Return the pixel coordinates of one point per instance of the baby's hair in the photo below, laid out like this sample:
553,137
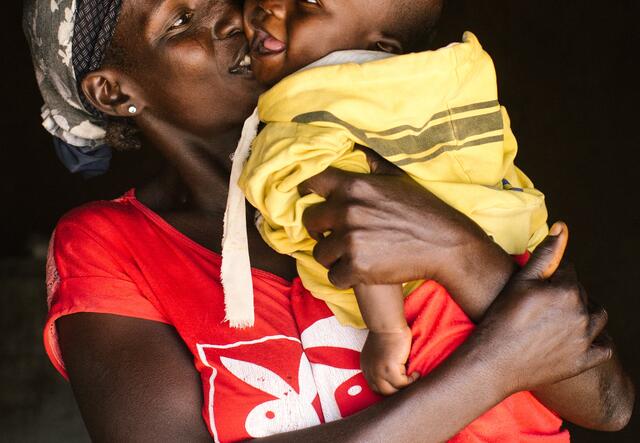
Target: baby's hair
415,23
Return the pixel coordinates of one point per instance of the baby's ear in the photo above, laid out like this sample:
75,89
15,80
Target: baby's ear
389,45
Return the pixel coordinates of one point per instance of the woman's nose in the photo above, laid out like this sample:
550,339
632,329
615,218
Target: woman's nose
276,8
229,21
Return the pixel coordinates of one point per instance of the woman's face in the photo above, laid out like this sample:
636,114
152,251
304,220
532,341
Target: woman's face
186,56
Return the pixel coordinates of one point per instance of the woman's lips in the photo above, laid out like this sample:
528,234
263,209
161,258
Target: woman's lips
242,63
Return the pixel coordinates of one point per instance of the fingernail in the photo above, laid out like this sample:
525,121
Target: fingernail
555,230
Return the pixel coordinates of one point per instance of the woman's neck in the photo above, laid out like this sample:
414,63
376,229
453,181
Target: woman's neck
199,178
192,196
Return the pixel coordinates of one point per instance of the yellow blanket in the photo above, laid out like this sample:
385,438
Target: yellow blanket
434,114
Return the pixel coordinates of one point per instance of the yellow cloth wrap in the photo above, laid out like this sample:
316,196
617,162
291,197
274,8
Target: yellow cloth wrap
434,114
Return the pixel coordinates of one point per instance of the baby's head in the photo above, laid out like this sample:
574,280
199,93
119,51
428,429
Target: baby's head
286,35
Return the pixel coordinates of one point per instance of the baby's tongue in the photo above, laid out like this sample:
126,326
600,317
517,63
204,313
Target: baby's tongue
273,44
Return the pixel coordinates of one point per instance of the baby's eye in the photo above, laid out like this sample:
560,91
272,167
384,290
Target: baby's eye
312,2
182,20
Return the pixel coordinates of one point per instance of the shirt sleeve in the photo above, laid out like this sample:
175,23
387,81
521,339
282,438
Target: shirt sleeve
83,275
522,259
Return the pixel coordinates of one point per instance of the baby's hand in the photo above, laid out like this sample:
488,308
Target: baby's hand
383,360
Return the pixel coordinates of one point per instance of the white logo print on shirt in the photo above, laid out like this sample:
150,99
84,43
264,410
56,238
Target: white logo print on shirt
330,381
290,411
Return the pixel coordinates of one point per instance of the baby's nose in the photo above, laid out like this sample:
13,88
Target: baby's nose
276,8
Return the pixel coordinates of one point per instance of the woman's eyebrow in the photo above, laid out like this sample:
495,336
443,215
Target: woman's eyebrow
158,7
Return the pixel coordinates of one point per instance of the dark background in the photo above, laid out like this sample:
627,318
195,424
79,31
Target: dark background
567,75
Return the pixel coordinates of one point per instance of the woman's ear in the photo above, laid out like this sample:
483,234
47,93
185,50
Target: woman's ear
110,92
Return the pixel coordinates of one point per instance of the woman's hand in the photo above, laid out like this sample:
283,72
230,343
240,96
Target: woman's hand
541,324
537,332
385,228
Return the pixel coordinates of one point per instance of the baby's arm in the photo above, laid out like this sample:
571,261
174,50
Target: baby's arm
386,350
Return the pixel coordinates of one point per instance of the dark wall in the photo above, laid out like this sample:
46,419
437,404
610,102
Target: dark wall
566,74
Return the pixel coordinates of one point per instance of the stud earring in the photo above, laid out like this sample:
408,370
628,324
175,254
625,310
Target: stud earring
132,109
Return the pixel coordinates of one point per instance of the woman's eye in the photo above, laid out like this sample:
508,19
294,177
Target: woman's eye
182,20
312,2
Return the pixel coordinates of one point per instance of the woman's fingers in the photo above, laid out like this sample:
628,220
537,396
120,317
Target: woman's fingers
379,165
341,274
597,355
566,272
561,232
329,250
548,255
320,218
597,322
323,184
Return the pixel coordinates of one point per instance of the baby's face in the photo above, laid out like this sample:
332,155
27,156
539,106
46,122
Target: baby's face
286,35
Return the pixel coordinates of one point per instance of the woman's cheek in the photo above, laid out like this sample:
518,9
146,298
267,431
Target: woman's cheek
191,58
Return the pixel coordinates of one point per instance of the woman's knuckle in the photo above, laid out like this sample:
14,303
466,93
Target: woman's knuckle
355,258
335,278
574,289
603,314
361,266
360,240
569,293
362,186
350,241
354,241
583,322
318,255
308,215
351,187
351,215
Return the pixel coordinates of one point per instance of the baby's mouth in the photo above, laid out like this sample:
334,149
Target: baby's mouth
264,44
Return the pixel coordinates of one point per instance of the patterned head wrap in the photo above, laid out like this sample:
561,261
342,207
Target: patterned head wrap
68,40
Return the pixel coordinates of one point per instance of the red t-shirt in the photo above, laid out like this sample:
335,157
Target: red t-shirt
297,367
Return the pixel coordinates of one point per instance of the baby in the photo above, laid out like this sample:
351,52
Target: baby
286,36
338,83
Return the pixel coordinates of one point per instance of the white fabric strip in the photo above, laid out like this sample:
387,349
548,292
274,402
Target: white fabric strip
236,266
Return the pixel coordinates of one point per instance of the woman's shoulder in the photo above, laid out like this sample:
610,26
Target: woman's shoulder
101,216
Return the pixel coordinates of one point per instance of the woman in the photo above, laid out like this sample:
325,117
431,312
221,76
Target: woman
133,281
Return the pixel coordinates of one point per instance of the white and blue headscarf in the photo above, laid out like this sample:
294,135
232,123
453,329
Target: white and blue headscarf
68,40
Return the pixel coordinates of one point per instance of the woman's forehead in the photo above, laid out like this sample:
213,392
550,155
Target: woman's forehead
149,17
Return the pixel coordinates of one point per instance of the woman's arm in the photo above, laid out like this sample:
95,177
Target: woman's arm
499,358
135,381
366,213
433,409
